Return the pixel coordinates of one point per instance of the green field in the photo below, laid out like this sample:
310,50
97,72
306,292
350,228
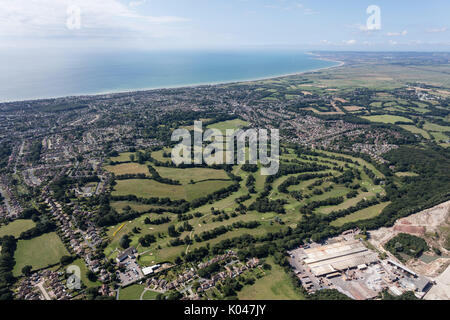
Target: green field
386,119
406,174
149,295
16,227
275,285
364,214
123,157
229,124
149,188
416,130
132,292
195,174
128,168
38,252
138,207
435,127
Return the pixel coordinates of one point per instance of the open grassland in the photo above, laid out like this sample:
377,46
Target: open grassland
195,174
435,127
128,168
416,130
406,174
149,188
386,119
275,285
440,137
136,206
229,124
363,214
150,295
132,292
159,155
123,157
16,227
38,252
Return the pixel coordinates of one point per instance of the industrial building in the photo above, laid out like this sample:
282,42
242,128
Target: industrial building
330,260
350,267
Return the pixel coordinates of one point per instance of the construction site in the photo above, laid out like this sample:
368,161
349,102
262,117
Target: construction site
346,264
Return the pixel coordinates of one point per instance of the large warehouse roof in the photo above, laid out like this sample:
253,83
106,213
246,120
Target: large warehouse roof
338,256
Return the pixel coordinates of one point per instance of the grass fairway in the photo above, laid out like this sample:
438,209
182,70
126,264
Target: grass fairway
435,127
150,188
132,292
387,119
38,252
128,168
276,285
364,214
136,206
406,174
15,228
416,130
195,174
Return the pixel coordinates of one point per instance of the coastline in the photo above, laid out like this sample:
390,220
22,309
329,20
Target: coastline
190,86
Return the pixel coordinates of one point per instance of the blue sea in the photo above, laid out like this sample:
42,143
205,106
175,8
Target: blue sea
33,75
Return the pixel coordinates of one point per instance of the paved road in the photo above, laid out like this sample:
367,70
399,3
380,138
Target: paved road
40,285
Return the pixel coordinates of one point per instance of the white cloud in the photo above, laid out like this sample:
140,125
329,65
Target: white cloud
99,18
134,4
437,30
393,43
350,42
289,6
397,34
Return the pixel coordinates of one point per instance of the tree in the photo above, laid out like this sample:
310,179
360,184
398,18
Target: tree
125,242
267,266
27,270
172,232
91,276
65,260
132,157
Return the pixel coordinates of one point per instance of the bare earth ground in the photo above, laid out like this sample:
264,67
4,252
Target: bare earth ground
441,290
424,224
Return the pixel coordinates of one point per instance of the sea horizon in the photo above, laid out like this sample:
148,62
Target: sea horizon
87,74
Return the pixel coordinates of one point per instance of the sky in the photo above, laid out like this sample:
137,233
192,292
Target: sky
226,24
